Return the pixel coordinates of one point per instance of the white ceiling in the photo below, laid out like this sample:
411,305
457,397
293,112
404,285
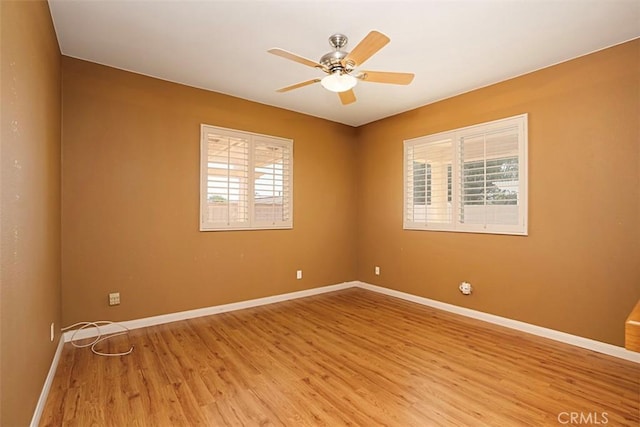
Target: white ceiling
451,46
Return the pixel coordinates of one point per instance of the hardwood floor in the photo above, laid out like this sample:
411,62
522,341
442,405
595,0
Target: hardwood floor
351,357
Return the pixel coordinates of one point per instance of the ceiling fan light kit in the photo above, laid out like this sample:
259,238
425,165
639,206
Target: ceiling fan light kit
338,82
338,65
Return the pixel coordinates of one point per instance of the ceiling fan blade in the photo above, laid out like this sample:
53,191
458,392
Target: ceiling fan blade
293,57
386,77
373,42
298,85
347,97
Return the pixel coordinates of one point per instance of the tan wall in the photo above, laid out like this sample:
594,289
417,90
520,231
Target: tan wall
578,271
30,205
130,204
131,200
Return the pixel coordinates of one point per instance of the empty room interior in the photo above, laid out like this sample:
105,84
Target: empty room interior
320,213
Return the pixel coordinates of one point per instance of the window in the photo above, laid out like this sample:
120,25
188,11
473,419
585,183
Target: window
246,180
472,179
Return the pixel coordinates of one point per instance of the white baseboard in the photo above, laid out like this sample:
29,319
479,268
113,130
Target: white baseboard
207,311
574,340
564,337
42,400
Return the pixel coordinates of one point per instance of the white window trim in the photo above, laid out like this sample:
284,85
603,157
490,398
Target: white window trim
521,121
252,224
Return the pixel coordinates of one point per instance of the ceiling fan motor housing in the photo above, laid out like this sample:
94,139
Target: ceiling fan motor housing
332,61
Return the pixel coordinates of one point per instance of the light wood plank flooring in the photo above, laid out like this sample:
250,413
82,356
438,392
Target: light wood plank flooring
350,357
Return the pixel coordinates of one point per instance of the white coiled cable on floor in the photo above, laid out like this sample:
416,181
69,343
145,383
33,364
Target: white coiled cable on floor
100,337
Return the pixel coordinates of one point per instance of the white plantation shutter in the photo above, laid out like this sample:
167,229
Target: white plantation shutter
472,179
489,188
428,164
272,183
246,180
227,180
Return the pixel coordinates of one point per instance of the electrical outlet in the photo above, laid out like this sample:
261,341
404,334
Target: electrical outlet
299,274
53,331
377,270
114,298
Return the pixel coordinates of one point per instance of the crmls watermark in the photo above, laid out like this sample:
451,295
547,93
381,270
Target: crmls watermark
588,418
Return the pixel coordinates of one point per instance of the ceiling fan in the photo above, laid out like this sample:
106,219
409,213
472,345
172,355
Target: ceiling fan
340,66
